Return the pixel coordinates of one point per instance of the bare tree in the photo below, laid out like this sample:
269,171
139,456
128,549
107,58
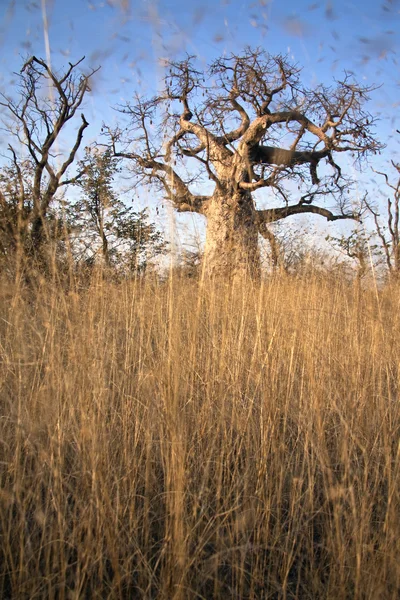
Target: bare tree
47,101
388,226
248,124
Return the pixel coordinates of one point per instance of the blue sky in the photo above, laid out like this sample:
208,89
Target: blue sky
129,37
324,36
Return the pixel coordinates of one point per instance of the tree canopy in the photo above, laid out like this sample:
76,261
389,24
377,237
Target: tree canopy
245,124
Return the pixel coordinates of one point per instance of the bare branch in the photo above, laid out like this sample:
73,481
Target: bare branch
391,223
275,214
37,122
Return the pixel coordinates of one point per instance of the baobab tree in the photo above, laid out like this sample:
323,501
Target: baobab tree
247,123
47,101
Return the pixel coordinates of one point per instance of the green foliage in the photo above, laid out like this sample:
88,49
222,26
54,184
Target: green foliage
355,245
138,241
360,246
15,205
104,226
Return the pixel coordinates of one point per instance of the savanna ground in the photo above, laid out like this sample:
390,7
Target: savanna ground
179,440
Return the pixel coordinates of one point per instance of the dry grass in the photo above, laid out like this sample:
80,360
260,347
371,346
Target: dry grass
177,441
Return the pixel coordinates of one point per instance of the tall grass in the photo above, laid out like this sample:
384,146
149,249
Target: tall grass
180,440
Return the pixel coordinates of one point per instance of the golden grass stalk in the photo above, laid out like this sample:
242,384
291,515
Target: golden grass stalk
180,440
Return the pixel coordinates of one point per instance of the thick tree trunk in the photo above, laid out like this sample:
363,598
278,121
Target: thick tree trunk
232,236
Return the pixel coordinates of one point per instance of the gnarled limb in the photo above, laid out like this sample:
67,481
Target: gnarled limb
270,215
257,129
177,190
279,156
268,235
217,151
234,135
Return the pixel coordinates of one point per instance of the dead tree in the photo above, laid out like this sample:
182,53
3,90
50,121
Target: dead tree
244,125
388,226
47,102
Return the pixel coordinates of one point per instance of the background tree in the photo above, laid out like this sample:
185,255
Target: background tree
15,206
98,197
46,103
359,246
138,241
288,247
387,226
247,123
103,222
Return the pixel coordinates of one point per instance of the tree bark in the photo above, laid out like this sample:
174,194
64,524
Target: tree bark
104,248
37,235
231,248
